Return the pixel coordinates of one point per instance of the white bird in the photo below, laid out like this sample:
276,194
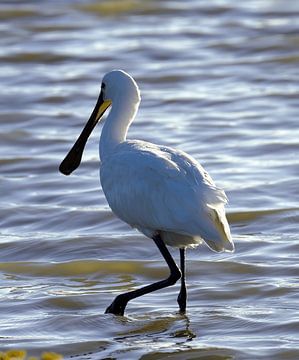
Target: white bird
163,192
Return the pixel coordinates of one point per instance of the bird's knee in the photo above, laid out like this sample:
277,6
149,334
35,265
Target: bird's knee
174,276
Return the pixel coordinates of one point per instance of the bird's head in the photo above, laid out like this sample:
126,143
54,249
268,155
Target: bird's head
115,84
118,83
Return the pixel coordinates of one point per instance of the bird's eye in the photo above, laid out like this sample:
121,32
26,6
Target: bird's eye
103,86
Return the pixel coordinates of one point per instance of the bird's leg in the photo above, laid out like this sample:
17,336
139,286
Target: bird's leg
120,302
182,298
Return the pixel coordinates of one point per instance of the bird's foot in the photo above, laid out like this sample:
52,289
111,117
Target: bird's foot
117,307
182,301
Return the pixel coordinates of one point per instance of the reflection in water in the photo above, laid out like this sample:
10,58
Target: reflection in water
151,332
155,326
186,333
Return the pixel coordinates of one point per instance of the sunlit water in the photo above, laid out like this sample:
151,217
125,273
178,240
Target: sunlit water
219,79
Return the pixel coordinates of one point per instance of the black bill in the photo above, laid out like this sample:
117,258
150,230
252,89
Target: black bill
73,158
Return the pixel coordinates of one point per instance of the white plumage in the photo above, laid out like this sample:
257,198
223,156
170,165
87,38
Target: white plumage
163,192
157,188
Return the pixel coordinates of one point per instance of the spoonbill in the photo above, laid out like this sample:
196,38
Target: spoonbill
162,192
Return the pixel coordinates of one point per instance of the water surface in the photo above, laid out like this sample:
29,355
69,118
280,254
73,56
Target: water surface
219,80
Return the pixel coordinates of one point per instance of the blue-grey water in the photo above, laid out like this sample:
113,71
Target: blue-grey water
219,79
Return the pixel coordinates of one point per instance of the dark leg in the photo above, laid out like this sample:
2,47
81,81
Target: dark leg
120,302
182,298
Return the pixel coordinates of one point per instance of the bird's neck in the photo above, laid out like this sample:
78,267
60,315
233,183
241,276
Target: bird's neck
116,125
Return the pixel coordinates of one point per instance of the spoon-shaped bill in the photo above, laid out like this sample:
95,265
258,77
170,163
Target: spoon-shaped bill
73,158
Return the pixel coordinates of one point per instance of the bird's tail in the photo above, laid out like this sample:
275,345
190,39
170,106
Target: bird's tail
221,239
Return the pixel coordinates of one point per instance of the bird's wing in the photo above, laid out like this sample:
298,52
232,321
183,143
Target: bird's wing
210,219
159,188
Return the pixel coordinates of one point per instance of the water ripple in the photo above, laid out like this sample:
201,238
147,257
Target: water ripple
218,80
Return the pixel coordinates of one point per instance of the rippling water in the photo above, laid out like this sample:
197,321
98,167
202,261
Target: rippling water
219,79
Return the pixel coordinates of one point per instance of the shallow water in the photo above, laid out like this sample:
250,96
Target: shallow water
219,80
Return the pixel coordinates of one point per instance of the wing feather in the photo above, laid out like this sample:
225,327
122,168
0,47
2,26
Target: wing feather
158,188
